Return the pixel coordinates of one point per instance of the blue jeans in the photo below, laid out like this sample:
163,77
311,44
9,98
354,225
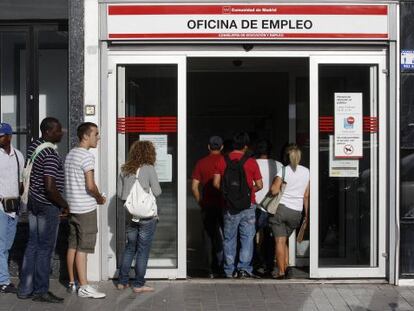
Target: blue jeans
43,228
139,239
7,232
242,224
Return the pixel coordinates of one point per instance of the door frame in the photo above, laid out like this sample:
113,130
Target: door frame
372,58
113,88
126,54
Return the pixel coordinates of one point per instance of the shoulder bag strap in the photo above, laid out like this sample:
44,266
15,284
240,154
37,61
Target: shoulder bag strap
18,171
283,173
40,148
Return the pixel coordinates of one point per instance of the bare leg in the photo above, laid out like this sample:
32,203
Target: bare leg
280,254
70,258
286,256
80,261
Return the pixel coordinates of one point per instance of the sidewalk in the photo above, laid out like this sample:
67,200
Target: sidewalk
233,295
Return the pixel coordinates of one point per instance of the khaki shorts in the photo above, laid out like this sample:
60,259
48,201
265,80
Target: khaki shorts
82,231
284,221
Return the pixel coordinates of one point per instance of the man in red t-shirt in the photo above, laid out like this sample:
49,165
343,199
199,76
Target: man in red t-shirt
239,222
211,203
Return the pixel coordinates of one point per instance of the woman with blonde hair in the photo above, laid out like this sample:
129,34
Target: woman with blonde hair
139,232
295,200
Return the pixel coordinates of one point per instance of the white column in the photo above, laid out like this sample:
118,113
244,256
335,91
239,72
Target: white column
91,97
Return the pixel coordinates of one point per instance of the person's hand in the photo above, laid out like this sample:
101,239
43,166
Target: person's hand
101,200
65,212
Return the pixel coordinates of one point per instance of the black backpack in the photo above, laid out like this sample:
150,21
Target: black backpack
234,185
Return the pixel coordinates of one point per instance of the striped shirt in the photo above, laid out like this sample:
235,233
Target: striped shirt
78,162
47,163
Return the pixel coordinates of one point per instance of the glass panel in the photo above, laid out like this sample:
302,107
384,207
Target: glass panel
347,205
13,84
53,80
151,91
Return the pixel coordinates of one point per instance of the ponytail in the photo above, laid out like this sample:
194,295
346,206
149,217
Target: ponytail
294,154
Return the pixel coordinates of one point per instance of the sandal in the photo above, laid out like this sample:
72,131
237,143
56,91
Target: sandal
120,286
143,289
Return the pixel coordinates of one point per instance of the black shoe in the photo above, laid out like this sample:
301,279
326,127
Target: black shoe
244,275
288,272
56,297
47,297
8,288
24,296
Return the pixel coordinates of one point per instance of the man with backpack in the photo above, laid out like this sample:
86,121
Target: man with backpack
238,177
45,206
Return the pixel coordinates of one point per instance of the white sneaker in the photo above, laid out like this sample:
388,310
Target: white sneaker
88,291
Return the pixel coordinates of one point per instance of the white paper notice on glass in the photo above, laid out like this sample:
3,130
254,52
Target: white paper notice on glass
160,142
163,167
341,167
348,125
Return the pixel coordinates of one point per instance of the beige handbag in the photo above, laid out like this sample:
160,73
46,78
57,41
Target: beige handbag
271,202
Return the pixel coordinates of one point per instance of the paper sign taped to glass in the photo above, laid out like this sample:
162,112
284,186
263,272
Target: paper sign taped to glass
341,167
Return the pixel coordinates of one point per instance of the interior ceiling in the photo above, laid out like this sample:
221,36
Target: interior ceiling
252,64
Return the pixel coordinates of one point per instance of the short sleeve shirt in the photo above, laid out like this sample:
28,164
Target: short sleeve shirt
47,163
78,162
204,173
296,183
9,182
250,168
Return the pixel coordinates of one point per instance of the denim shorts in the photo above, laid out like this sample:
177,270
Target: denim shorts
82,231
284,221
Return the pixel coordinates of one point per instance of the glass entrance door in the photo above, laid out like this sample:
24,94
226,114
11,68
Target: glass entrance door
151,106
348,166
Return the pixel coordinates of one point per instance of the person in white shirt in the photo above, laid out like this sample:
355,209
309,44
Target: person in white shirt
295,199
11,168
262,261
82,195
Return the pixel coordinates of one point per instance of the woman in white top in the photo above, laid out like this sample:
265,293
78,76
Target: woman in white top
294,200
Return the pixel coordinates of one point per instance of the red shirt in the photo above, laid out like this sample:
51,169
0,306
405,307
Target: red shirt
204,173
251,168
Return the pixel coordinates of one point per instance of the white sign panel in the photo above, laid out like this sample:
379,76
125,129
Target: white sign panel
163,167
348,125
246,21
160,142
341,167
407,60
163,164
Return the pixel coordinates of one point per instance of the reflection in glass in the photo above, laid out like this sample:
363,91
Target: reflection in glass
151,91
13,84
347,206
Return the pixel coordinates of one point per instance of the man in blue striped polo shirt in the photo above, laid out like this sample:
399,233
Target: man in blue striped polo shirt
45,205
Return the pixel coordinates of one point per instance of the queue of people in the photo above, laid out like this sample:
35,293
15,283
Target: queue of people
56,188
229,188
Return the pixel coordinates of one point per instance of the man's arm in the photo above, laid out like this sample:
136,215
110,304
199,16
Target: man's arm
195,188
258,185
217,181
52,194
92,188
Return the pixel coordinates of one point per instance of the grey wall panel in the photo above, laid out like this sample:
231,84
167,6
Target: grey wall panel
33,9
76,68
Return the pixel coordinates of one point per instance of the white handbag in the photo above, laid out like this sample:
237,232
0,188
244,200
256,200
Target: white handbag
139,203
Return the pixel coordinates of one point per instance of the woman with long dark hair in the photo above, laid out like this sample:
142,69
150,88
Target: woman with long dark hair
139,232
295,200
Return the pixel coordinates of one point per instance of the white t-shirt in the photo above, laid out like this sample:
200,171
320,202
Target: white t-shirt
296,183
9,186
78,162
268,170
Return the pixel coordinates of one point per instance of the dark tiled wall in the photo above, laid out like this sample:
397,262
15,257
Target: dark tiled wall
76,63
407,146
